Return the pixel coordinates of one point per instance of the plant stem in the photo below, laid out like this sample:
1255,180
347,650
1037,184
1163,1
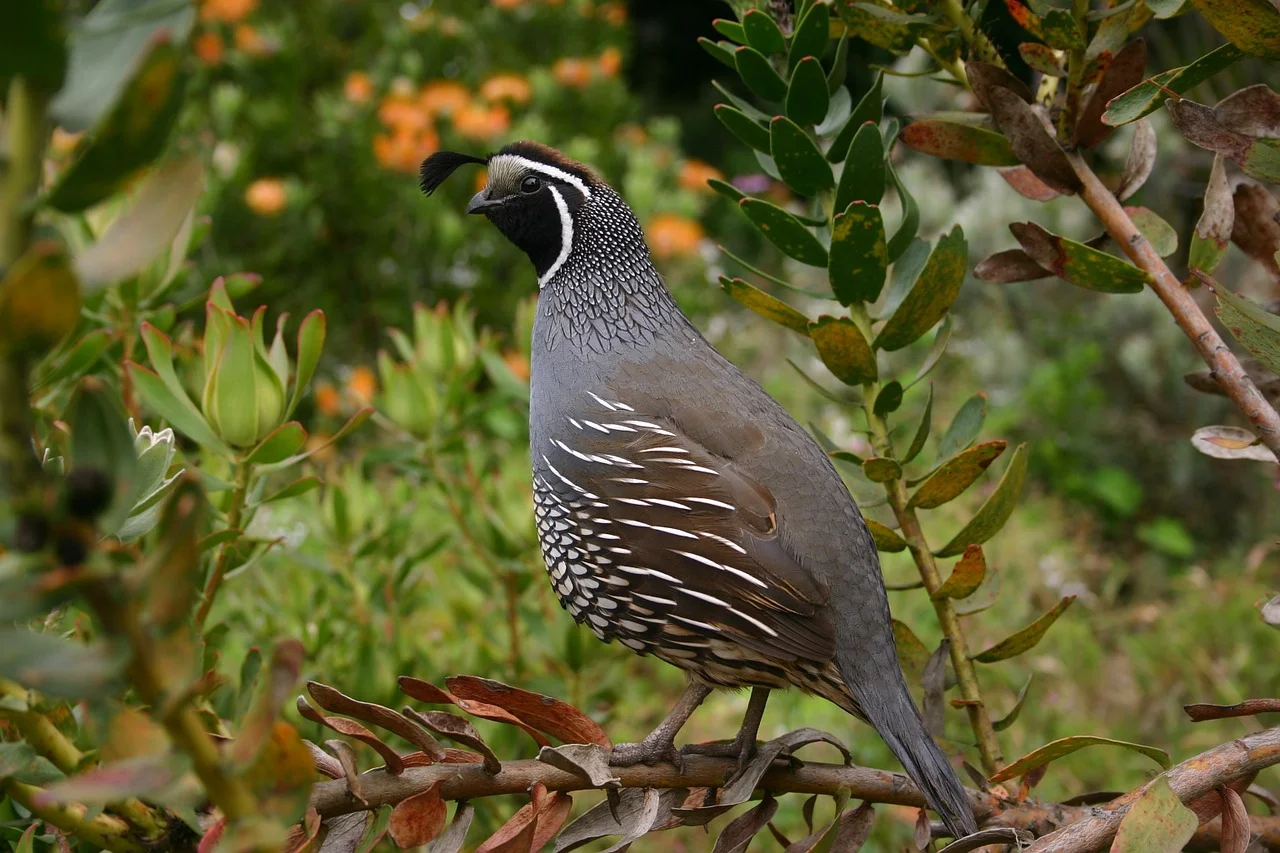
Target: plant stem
1223,364
244,471
102,832
974,37
1075,72
24,131
38,731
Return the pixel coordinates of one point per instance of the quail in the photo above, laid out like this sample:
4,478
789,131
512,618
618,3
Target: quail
680,510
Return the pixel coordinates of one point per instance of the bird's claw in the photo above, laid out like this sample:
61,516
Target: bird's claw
646,752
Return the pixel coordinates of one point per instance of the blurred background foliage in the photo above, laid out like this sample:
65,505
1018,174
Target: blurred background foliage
418,555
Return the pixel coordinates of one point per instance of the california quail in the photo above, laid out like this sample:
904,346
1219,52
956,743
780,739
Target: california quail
680,510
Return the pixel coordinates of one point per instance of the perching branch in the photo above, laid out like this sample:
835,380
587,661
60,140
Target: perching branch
1223,364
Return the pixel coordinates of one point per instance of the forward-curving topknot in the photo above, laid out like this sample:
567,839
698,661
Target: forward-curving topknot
440,165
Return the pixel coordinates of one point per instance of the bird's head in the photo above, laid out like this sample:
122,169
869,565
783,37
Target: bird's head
539,199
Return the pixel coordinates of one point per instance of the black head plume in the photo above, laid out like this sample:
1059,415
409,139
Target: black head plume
440,165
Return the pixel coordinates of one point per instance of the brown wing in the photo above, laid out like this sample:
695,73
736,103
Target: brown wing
649,536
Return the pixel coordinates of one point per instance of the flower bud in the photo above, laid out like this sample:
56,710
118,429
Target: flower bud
243,398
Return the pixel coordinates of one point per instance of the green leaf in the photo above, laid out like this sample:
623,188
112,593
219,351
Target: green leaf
931,296
799,161
843,349
1041,58
1213,230
785,231
59,666
1251,25
859,254
33,44
82,357
1157,821
353,423
951,140
726,189
863,178
284,441
1159,234
995,511
807,96
731,30
762,32
1079,264
1026,639
956,475
1010,718
130,137
743,105
20,762
721,50
178,413
298,487
1255,328
837,113
767,306
966,577
878,23
910,224
889,399
311,332
881,469
811,35
913,655
1067,745
839,66
964,426
1058,28
922,431
101,441
747,129
759,74
869,109
885,539
1147,97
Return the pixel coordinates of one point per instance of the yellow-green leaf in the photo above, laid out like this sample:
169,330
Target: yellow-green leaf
931,296
1254,327
913,655
966,577
951,140
885,539
1067,745
1156,822
859,257
1251,25
955,475
39,299
995,511
881,469
843,349
767,306
1079,264
1146,97
1026,639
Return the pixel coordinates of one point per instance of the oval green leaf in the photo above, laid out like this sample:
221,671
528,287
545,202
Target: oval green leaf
785,231
913,655
759,75
747,129
889,399
1067,745
811,34
1251,25
1079,264
799,161
767,306
1254,327
886,539
870,108
762,32
995,511
281,443
922,430
807,96
881,469
951,140
859,254
721,50
1159,234
843,349
863,178
1026,639
731,30
964,426
931,296
955,475
966,577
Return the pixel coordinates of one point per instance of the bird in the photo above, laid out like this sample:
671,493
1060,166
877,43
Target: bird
680,510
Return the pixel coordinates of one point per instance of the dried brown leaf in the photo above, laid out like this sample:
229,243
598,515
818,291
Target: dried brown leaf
984,77
590,760
1215,225
417,820
1024,182
1140,162
346,756
455,835
1031,142
352,729
326,764
339,703
921,834
1249,707
738,833
1126,70
639,810
1256,225
459,730
1003,835
1253,111
546,714
1009,266
1236,832
425,691
934,682
344,832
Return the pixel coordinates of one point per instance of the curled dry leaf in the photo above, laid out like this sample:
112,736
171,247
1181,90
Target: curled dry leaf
338,702
934,682
1126,70
1004,835
455,834
1253,111
350,728
344,832
326,764
1266,380
1256,225
417,820
346,757
590,760
1228,442
530,828
638,811
1031,142
920,833
1214,228
737,835
459,730
1140,162
1260,158
546,714
425,691
1025,183
985,77
1201,712
1009,266
1236,832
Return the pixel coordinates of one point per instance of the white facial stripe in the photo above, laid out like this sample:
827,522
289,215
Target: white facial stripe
566,238
551,171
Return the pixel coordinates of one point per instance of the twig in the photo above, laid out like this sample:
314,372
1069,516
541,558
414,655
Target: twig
1223,364
102,832
1075,71
243,472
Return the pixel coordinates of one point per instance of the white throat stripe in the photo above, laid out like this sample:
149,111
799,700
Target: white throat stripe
559,174
566,238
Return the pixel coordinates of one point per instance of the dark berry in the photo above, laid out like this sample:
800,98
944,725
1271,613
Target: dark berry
31,533
88,493
70,549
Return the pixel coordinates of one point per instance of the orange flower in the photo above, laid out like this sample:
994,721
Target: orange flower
361,385
631,134
319,447
249,41
694,175
481,123
572,72
506,87
359,88
672,235
63,142
405,148
208,48
328,401
614,14
402,113
517,364
482,179
226,10
443,96
266,196
610,61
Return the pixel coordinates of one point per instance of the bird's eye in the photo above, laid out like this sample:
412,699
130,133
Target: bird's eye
530,184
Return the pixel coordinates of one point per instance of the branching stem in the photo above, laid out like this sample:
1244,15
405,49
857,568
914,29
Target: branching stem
235,513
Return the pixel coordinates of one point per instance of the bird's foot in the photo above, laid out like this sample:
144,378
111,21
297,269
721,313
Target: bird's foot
649,751
739,748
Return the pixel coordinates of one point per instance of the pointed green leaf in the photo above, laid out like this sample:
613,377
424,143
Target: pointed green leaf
767,306
731,30
863,178
721,50
995,511
922,431
1026,639
807,96
811,35
1079,264
966,577
726,189
964,426
747,129
33,43
839,66
869,109
1159,234
180,414
1254,327
799,161
785,231
297,487
1067,745
843,349
759,74
83,356
889,399
310,345
284,441
1010,718
952,140
1157,821
955,475
1251,25
859,254
837,113
885,539
352,423
881,469
910,224
904,274
1147,97
742,104
936,350
931,296
762,32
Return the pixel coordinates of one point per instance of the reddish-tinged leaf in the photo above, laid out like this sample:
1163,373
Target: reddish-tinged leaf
739,831
1201,712
920,834
346,757
1236,832
952,140
211,836
1025,183
843,349
425,691
1253,111
1009,266
302,838
1260,158
955,475
326,764
1031,142
966,577
352,729
1067,745
1125,71
1156,823
1251,25
1042,58
1140,162
338,702
1026,639
1256,226
985,77
417,820
550,716
1077,263
983,597
458,730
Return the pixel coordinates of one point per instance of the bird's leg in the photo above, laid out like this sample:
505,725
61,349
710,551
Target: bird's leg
744,743
659,745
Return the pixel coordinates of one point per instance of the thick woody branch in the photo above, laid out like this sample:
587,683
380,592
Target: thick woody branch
1222,362
1082,828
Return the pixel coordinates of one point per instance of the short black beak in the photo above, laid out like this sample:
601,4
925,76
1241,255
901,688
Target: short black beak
480,202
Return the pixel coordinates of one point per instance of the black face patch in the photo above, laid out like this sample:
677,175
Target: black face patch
532,223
